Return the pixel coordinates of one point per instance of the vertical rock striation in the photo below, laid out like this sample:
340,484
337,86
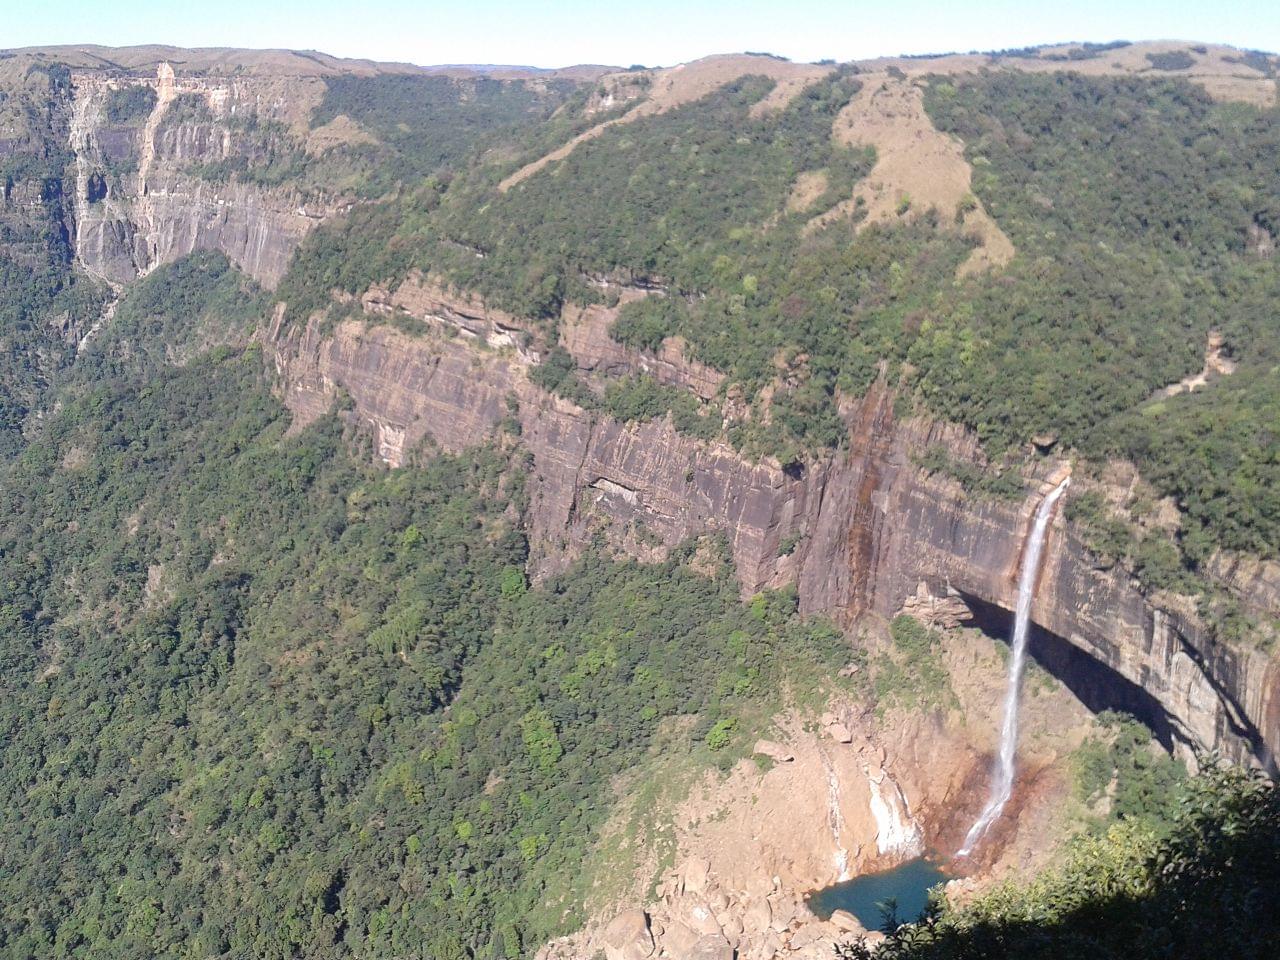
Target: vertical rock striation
145,189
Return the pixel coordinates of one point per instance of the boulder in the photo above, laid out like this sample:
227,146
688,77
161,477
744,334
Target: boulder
784,911
627,936
695,873
946,612
818,950
811,932
710,947
702,919
845,921
756,916
732,928
678,939
840,733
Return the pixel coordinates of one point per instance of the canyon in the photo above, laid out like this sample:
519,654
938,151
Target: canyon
862,533
871,530
874,535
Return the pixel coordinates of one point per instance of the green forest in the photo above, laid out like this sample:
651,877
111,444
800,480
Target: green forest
1130,203
236,661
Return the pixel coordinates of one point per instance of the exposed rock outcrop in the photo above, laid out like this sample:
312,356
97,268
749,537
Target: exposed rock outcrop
750,845
141,198
628,936
585,334
867,534
873,542
945,612
1216,364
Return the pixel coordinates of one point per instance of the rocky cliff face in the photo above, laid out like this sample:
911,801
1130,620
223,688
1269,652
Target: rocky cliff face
147,188
883,528
874,533
863,530
644,486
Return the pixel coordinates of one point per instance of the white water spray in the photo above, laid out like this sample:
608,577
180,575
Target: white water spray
836,819
896,830
1002,785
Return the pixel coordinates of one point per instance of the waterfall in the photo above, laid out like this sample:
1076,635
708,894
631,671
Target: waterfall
836,819
896,830
1002,783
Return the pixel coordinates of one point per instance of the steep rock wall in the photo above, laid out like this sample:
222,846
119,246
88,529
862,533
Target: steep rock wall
585,334
874,529
883,528
139,198
645,486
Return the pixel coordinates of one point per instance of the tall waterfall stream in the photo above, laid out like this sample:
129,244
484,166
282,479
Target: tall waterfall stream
1002,782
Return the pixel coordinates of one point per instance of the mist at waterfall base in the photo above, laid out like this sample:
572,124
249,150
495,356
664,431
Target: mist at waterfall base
905,888
1002,782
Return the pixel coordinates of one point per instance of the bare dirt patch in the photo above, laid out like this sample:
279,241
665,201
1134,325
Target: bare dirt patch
809,186
339,132
788,89
1260,92
917,168
1216,364
76,457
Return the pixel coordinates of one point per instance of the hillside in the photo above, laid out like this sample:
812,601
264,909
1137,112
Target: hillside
495,512
230,61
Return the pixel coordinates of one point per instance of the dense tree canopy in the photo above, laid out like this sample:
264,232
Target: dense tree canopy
261,698
1136,206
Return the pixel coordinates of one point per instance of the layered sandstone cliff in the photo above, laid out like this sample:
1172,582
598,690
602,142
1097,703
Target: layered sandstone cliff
873,532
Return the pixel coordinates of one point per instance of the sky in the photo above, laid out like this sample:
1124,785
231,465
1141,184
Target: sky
554,33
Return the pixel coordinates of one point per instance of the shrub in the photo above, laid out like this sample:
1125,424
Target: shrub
128,104
1172,60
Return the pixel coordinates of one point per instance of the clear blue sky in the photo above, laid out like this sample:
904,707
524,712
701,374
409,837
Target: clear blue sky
652,32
